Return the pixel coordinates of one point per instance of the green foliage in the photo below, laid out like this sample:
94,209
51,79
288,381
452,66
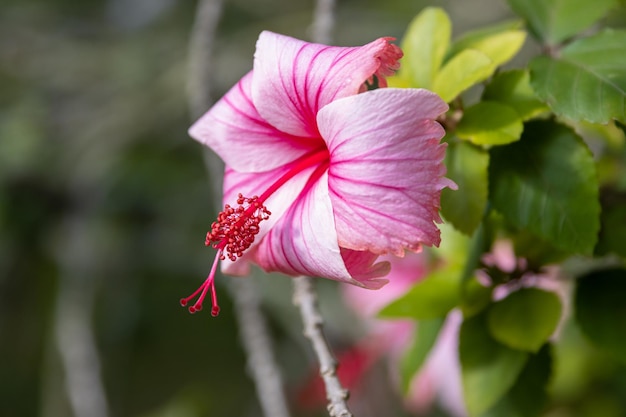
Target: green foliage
499,42
462,71
475,297
553,21
546,183
431,62
467,166
513,89
441,290
490,123
431,298
536,251
489,369
413,359
601,311
425,44
613,229
525,319
520,153
587,80
529,394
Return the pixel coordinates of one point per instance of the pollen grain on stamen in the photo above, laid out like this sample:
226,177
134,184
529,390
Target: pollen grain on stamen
236,227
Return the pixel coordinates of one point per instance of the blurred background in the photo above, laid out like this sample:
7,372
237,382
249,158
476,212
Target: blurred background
105,202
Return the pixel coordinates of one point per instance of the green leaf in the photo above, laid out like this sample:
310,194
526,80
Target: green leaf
513,88
587,81
412,361
467,166
490,123
431,298
525,319
489,369
453,249
529,395
462,71
537,251
475,297
613,230
436,295
500,42
546,183
600,310
553,21
425,44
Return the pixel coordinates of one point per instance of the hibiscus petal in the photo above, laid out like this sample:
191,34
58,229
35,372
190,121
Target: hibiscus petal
242,138
255,184
293,79
386,168
304,242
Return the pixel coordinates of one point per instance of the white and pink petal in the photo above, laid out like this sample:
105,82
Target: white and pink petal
235,130
386,168
254,184
294,79
304,242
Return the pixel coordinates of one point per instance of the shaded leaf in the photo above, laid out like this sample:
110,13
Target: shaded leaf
525,319
467,166
553,21
600,309
528,397
475,297
489,369
588,79
613,231
490,123
536,251
513,88
425,338
546,183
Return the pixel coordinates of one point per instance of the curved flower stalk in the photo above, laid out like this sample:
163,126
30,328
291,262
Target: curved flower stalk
322,175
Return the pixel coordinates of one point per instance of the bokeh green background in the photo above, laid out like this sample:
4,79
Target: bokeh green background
105,200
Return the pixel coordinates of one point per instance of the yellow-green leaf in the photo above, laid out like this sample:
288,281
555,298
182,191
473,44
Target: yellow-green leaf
462,71
500,43
425,44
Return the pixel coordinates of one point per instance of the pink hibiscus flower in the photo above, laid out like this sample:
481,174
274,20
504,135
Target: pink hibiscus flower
323,176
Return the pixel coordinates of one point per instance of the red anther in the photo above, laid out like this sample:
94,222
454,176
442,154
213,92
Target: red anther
236,228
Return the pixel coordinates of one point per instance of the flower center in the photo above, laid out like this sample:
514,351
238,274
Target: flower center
236,228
